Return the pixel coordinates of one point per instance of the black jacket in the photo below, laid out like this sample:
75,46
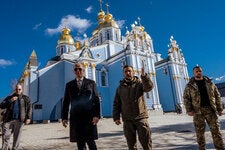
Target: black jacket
25,108
84,105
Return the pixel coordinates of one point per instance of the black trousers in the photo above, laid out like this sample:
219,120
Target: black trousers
82,145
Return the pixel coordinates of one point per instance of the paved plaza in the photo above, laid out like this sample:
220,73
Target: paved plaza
169,132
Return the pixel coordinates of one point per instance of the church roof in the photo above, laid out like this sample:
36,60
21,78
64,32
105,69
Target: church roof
56,58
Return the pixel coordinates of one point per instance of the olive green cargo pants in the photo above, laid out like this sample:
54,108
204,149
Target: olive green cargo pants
144,134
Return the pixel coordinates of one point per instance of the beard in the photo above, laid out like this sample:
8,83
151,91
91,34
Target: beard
199,77
129,78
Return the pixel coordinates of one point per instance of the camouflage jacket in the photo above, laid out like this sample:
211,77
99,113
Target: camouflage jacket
192,97
129,99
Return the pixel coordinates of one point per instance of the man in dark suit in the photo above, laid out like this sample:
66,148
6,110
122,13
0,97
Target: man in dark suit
82,97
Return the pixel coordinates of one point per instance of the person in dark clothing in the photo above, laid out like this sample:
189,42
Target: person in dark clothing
82,97
202,101
18,111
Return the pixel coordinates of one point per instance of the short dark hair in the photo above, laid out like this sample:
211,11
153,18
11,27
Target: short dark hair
196,67
126,66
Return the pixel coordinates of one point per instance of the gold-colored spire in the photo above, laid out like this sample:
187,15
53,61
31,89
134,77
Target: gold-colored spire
33,59
33,54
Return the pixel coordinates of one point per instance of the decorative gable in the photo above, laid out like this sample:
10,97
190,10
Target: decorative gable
86,53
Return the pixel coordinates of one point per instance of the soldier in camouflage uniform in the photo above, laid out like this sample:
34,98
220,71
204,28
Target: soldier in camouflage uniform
202,101
129,101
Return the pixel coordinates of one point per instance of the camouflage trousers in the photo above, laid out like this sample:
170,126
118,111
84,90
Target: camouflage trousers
141,126
209,116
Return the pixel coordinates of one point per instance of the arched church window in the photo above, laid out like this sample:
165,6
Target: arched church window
61,50
103,78
108,35
117,36
97,43
165,71
101,39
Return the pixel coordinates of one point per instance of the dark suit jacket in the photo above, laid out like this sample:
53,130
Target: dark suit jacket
84,105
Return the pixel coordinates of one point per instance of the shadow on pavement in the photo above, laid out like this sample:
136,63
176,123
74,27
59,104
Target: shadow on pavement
102,135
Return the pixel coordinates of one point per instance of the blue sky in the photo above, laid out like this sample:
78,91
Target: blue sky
197,25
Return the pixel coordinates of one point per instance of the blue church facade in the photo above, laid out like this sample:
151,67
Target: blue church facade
103,56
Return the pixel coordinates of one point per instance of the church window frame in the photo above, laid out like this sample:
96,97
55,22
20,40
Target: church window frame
108,35
104,78
101,38
61,50
117,36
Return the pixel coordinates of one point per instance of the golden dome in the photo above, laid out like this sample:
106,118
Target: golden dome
105,24
108,17
65,37
108,22
101,14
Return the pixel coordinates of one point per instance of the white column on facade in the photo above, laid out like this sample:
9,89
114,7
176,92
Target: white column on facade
136,62
85,64
186,73
113,35
93,72
179,90
132,60
176,78
139,64
175,55
155,94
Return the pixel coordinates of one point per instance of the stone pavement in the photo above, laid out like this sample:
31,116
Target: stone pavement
169,132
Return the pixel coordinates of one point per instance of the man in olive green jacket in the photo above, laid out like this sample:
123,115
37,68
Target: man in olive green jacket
202,101
129,101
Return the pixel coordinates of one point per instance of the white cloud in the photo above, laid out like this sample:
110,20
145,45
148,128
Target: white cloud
37,26
220,78
4,63
89,9
71,22
120,23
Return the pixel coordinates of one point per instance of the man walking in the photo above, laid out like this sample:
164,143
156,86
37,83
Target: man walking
202,101
129,101
81,94
18,111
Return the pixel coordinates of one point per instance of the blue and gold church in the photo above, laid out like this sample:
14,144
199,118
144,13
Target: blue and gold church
104,54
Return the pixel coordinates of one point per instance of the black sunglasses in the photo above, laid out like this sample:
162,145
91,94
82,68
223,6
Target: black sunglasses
75,69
